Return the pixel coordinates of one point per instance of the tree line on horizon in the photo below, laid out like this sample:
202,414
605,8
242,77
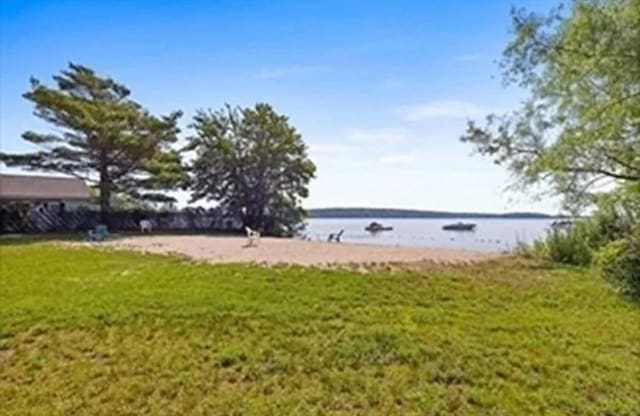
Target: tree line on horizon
347,212
251,161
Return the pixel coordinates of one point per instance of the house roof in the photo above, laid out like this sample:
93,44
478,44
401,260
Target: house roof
47,188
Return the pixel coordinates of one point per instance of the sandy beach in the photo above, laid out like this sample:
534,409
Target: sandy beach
290,251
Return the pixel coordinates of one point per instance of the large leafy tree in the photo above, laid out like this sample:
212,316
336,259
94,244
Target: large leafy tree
254,164
100,135
579,129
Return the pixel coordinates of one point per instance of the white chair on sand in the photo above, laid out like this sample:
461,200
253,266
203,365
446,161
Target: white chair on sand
252,236
146,226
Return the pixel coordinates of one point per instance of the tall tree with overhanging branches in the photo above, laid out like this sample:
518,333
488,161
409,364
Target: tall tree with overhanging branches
254,164
101,135
579,129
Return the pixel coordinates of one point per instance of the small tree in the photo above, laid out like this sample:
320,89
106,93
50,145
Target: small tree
101,136
579,130
254,164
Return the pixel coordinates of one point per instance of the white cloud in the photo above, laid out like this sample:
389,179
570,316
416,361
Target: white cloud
332,153
470,57
446,108
284,71
328,149
397,159
377,136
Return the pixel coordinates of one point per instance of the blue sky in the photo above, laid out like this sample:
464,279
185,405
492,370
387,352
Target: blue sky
380,90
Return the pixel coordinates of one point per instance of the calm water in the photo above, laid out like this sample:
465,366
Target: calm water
490,234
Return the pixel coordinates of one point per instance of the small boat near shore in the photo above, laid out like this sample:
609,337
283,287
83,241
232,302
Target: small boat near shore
459,226
561,224
376,226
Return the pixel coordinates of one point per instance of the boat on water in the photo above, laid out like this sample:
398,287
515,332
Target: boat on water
459,226
376,226
561,224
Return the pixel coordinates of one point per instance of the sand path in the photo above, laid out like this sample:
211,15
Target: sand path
277,251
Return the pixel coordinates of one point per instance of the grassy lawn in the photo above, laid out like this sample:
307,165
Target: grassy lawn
93,332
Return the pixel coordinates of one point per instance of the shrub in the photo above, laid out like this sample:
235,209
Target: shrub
608,253
620,264
611,222
570,246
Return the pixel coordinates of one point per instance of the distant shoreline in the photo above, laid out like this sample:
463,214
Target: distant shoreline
352,213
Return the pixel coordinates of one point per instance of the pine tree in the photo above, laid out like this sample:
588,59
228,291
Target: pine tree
100,135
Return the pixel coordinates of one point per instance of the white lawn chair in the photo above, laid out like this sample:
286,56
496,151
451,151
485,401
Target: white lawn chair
146,226
252,236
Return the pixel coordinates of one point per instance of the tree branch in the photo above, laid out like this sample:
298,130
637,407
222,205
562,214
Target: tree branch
599,171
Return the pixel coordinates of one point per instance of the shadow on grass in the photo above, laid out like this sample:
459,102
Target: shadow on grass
27,239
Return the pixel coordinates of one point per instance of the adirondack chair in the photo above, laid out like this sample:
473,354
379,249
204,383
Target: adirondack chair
99,233
146,226
252,236
335,236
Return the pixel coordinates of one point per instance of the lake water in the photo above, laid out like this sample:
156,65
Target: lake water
490,234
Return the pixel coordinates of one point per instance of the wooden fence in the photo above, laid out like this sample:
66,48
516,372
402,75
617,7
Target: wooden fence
48,221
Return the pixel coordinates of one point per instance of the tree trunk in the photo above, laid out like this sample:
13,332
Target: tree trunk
105,202
105,191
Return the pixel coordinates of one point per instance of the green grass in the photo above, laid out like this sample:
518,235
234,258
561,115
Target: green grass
94,332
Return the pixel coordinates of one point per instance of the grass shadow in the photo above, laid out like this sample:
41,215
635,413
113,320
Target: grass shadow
28,239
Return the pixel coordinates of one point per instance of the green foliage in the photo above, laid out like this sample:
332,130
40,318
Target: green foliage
254,164
598,239
88,331
579,130
620,262
101,135
580,127
571,246
609,253
609,223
